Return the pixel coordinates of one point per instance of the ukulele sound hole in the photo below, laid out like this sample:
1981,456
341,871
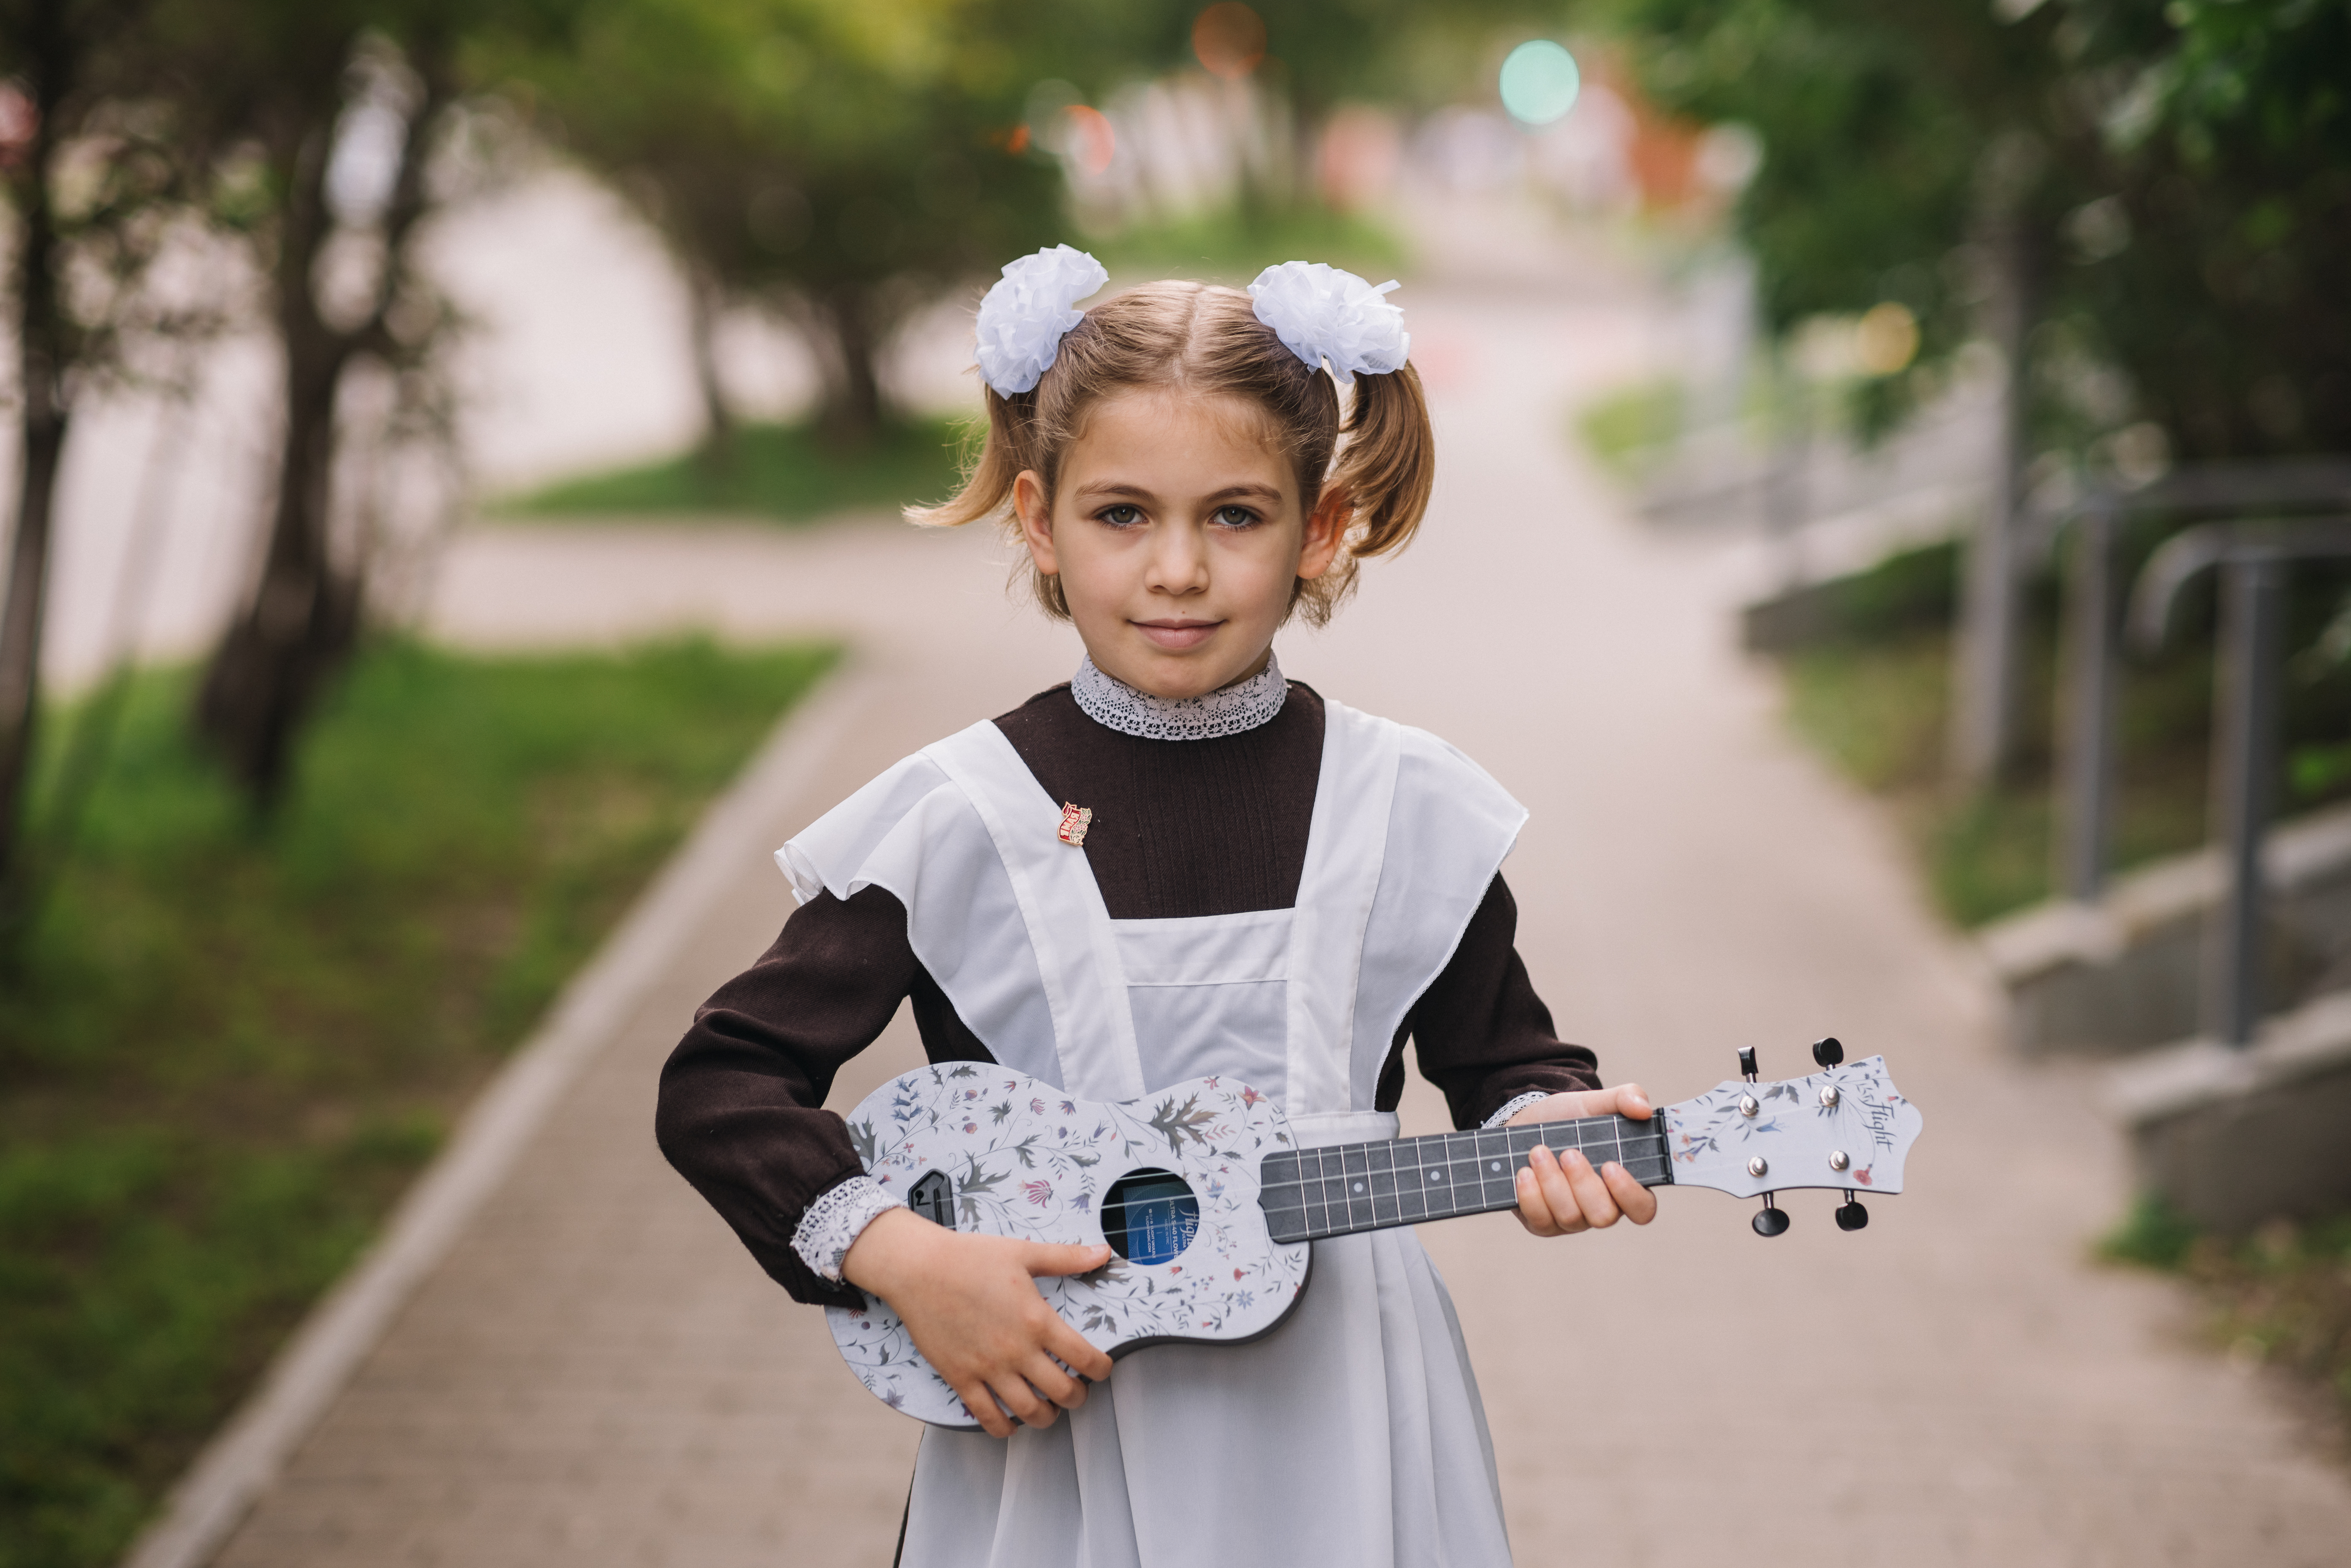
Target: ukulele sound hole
1149,1216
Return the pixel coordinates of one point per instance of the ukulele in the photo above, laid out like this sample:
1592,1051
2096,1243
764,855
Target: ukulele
1209,1210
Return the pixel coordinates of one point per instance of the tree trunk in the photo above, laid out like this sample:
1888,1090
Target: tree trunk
851,414
706,303
303,620
42,359
303,617
1986,685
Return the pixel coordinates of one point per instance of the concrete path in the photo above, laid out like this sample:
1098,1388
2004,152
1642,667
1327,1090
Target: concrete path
599,1375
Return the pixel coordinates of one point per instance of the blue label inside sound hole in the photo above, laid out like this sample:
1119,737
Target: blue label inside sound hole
1149,1216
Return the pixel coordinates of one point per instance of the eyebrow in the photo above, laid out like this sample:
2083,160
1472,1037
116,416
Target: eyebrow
1105,489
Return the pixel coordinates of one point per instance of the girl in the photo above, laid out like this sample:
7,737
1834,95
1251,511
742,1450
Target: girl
1272,886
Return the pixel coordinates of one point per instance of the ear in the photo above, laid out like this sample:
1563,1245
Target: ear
1036,521
1326,527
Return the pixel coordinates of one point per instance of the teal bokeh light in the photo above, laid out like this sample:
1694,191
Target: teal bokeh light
1539,82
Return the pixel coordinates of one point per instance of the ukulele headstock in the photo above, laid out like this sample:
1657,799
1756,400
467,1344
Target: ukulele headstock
1845,1127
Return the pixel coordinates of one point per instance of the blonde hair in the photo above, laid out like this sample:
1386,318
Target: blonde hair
1207,341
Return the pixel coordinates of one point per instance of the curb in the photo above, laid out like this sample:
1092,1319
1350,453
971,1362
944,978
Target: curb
247,1454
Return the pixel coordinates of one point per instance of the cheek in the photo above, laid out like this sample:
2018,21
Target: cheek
1093,564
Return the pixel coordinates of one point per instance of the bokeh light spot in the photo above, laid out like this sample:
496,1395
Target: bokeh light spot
1229,38
1886,339
1539,82
1089,142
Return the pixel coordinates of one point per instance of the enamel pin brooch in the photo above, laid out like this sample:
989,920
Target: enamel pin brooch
1074,819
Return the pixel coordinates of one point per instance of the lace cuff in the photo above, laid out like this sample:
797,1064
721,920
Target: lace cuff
834,1222
1509,1110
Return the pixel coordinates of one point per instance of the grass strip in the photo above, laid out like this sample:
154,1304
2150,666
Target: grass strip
2280,1297
1233,246
787,474
227,1046
1868,686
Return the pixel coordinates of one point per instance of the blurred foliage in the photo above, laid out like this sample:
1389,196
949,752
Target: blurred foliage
226,1050
2280,1297
1630,429
2179,178
837,164
843,165
1869,688
1233,247
786,472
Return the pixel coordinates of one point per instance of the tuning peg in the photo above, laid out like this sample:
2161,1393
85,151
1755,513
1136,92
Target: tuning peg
1828,1052
1850,1214
1770,1219
1747,1062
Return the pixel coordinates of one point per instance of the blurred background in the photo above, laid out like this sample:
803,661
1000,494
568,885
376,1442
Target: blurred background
446,437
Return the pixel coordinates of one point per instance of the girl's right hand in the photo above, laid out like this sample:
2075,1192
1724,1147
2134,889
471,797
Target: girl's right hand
971,1304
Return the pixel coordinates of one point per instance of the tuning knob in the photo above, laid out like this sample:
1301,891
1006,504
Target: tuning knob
1850,1214
1770,1219
1747,1063
1828,1052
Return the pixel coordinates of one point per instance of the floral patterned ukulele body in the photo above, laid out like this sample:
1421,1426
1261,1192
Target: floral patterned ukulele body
1211,1210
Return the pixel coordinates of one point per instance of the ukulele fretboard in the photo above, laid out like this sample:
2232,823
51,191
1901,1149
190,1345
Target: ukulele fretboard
1310,1194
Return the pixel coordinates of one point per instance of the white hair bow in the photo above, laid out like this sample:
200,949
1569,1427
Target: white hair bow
1025,314
1322,313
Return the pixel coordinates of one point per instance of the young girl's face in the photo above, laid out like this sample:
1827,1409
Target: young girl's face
1176,532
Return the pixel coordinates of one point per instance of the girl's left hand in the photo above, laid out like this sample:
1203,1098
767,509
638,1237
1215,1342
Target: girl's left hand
1561,1194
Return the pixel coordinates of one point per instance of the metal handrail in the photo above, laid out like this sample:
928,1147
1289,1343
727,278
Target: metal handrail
2252,556
2185,556
2085,744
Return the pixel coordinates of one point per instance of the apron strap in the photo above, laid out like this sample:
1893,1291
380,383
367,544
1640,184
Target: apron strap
1319,1131
1347,846
1062,906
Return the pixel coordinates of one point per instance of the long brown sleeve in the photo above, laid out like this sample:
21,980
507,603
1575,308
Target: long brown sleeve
742,1097
1181,828
1479,1032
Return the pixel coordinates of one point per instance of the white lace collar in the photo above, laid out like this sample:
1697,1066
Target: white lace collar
1243,705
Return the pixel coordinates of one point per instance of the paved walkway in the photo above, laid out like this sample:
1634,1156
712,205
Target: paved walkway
599,1375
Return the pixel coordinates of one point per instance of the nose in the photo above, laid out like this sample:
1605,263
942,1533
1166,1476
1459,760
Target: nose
1179,559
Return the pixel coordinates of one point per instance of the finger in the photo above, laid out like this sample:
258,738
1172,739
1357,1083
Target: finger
981,1403
1551,1175
1043,1258
1591,1194
1075,1351
1637,1202
1052,1381
1633,1100
1533,1212
1028,1407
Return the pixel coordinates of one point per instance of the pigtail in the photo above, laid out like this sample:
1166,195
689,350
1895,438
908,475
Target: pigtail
1386,466
1388,461
1007,445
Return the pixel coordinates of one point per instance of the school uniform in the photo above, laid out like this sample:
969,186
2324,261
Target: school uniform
1272,888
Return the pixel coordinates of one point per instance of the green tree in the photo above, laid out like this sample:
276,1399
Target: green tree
836,165
2159,198
66,69
263,94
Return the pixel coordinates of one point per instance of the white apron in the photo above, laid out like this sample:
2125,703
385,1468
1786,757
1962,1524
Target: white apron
1352,1434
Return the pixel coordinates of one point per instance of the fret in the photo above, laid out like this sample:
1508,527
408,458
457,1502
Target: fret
1318,1210
1285,1206
1412,1201
1496,1172
1465,1172
1340,1190
1356,1163
1382,1158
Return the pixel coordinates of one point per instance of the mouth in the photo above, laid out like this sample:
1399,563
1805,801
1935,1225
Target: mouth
1176,634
